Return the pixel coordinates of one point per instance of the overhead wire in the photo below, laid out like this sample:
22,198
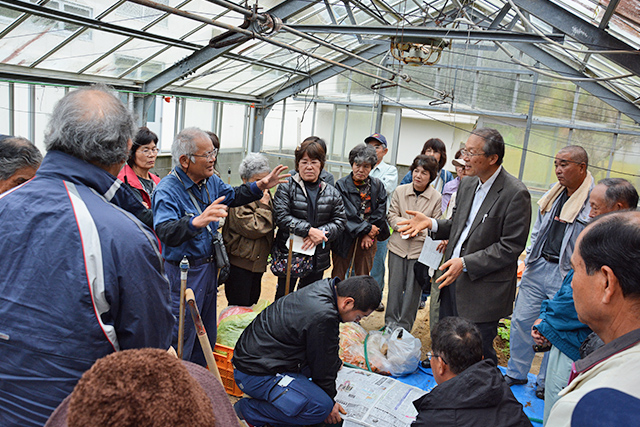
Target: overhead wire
527,150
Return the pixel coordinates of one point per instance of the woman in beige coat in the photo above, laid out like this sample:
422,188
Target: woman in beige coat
404,292
248,235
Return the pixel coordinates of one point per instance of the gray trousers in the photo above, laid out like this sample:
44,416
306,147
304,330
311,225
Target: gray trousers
559,371
434,301
541,280
404,293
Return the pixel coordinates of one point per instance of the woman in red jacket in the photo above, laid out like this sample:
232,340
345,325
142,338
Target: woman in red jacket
136,172
141,160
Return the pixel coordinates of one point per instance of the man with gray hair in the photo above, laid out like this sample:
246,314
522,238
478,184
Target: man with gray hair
19,161
81,277
187,205
606,293
487,232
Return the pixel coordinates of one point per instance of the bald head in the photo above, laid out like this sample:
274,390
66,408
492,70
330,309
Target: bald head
93,125
571,167
576,153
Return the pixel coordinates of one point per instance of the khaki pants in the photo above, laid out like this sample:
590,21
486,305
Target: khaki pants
362,263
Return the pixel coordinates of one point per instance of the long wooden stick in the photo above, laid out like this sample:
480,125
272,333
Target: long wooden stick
289,258
184,272
204,339
353,258
202,335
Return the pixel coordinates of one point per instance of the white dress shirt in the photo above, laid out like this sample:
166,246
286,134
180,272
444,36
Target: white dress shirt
481,193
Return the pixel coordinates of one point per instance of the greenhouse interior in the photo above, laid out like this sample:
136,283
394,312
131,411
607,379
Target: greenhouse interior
265,75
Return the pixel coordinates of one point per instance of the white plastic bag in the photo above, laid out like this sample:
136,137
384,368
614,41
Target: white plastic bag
404,352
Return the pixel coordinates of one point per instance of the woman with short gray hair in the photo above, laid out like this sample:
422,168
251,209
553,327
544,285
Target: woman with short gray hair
248,235
365,203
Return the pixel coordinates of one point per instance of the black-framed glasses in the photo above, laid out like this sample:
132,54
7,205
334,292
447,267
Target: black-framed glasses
470,154
209,155
431,356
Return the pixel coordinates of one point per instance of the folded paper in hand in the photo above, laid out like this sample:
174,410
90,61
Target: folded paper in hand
430,255
297,246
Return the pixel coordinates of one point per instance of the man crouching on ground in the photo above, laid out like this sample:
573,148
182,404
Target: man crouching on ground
470,391
287,358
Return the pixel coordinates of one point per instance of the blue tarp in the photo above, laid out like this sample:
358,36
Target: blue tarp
526,394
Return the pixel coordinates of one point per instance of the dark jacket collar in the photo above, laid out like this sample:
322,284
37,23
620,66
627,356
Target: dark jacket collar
479,386
616,346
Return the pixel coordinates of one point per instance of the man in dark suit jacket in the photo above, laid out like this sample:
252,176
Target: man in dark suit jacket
487,232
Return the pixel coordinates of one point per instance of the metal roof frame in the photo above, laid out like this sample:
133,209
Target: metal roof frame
383,19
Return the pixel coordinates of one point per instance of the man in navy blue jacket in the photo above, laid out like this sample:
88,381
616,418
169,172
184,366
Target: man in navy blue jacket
187,205
81,276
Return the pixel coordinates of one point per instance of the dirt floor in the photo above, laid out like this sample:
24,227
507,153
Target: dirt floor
376,321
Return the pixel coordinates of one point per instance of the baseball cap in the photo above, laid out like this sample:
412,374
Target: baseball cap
377,137
458,162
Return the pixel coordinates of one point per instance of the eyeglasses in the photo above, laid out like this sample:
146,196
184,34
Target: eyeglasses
209,155
431,356
470,154
378,147
150,151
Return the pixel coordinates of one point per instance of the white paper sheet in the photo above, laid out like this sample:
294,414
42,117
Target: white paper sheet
297,246
375,400
429,256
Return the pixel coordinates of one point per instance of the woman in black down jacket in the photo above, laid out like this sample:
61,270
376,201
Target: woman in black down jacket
311,208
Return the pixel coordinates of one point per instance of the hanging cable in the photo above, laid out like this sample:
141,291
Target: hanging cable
277,25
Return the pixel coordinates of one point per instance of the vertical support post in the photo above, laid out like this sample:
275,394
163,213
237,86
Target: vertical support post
139,109
395,145
315,112
284,114
333,128
614,142
576,98
214,117
183,113
12,109
258,128
176,118
474,94
251,117
245,130
32,112
527,132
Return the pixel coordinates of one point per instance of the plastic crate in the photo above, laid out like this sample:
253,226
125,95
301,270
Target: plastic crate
223,356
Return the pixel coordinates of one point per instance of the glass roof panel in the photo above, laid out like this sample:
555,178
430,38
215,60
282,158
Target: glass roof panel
7,17
246,79
129,55
142,60
34,37
203,35
215,71
79,53
268,86
136,16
